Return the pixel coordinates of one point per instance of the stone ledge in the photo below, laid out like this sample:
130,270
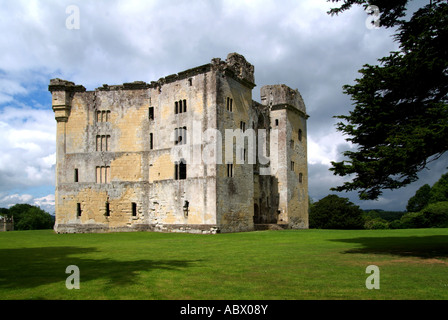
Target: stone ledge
103,228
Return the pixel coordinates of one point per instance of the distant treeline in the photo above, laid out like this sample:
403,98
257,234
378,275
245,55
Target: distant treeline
28,217
428,208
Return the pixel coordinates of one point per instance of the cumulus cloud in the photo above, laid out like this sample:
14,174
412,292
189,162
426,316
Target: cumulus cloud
45,203
27,151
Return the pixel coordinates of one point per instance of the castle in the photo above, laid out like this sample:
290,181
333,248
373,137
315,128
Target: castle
6,223
191,152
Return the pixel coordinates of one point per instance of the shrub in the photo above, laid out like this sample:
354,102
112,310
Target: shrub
333,212
376,223
435,215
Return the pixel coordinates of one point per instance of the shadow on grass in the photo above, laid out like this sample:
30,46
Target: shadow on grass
425,247
32,267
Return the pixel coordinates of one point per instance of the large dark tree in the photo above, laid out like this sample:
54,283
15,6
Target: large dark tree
420,200
400,118
334,212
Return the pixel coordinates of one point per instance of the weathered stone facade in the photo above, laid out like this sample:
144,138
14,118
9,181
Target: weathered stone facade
6,223
156,156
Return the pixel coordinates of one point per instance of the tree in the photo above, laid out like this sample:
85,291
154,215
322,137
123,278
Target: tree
28,217
334,212
439,191
391,10
400,118
420,199
435,215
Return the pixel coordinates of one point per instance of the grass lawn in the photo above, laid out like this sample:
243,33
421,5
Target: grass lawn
263,265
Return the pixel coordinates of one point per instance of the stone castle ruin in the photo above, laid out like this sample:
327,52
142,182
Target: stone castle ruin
6,223
191,152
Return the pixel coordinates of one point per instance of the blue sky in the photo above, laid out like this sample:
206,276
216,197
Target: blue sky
290,42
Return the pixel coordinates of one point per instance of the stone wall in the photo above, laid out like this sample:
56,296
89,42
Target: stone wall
6,224
131,157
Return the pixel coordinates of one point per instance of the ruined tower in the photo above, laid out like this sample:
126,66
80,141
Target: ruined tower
161,156
288,116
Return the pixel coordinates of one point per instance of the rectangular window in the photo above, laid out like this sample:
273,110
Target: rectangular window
76,178
134,209
98,143
151,141
184,135
300,135
180,106
78,210
98,174
243,126
180,135
151,113
276,122
102,175
292,165
180,171
230,104
107,211
103,143
230,170
103,116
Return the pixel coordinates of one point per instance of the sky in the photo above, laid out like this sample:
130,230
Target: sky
115,41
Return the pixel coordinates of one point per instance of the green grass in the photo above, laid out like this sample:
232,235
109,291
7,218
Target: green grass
299,264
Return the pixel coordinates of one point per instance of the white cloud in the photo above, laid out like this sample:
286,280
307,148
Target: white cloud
45,203
326,148
27,151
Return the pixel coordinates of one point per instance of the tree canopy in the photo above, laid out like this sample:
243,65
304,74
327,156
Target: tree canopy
400,118
28,217
420,199
334,212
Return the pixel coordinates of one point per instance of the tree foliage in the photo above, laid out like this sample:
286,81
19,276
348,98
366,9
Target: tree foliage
400,117
435,215
333,212
28,217
420,199
439,191
391,10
